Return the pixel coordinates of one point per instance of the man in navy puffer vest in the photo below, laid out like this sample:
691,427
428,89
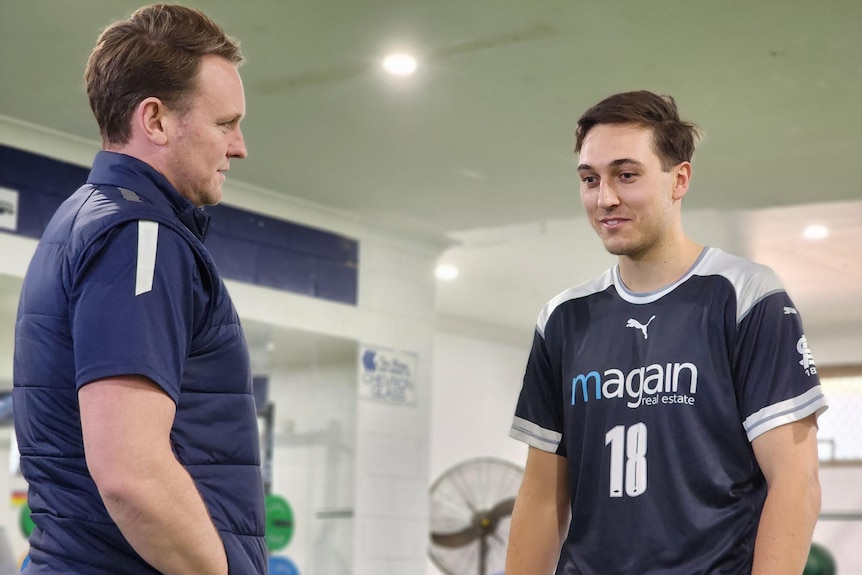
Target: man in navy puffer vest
132,389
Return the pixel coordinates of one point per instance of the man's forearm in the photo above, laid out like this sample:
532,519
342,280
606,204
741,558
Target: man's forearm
166,522
535,538
786,527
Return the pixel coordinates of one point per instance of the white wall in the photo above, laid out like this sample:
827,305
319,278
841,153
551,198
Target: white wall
842,495
9,512
314,457
476,386
15,254
836,346
396,296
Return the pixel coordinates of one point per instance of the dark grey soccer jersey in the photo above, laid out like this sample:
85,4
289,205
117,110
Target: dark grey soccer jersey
654,399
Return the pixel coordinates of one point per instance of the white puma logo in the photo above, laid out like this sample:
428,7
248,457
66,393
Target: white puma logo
643,327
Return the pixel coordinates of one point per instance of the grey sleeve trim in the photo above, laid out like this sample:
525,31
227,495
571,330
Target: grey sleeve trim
787,411
534,435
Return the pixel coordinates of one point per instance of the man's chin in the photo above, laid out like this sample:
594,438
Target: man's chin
619,248
615,247
212,197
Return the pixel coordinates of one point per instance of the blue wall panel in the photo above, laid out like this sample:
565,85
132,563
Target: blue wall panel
246,246
236,258
337,281
287,270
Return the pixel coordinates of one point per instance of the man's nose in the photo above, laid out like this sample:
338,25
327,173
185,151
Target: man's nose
237,148
607,197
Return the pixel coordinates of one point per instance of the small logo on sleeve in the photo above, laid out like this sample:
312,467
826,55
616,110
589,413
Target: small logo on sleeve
790,311
641,326
807,361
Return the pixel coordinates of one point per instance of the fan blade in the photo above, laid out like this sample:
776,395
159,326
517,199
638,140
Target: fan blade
502,509
457,538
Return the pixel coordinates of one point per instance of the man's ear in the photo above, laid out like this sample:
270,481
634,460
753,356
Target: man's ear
150,118
682,178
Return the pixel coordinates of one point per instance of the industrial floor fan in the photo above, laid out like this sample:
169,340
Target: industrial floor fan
471,510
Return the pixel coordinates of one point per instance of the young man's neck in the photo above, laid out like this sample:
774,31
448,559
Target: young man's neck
661,267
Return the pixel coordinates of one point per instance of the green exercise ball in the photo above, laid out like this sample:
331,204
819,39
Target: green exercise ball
820,561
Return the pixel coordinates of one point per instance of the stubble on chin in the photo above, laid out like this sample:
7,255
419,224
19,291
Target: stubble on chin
621,247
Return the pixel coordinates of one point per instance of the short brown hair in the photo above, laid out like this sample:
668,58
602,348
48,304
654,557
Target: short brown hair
157,53
673,139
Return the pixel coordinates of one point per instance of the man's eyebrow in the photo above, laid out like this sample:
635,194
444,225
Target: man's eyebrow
230,119
623,161
619,162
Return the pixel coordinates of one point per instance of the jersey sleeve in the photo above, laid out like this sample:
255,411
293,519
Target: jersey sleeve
538,419
131,305
775,373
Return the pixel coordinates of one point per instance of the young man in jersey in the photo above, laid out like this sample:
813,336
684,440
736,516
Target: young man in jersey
133,399
669,404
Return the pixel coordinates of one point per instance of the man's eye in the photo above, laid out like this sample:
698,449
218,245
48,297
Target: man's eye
627,176
589,179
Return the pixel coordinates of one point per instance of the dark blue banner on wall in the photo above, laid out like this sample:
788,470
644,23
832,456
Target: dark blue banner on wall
246,246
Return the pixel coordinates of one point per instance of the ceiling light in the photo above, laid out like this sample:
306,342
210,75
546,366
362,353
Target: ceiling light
399,64
446,272
815,232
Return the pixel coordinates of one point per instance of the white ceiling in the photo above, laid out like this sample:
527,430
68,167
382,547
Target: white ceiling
478,144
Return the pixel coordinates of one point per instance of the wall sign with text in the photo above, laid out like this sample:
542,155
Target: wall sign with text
387,375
